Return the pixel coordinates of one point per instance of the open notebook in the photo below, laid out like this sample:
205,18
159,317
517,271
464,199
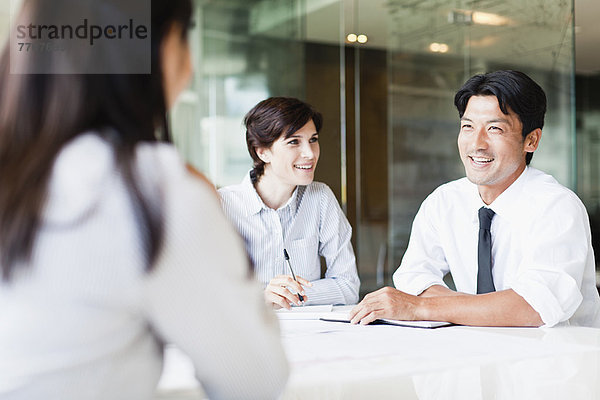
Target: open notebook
343,317
304,312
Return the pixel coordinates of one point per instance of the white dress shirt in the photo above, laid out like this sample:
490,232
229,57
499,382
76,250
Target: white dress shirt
311,224
541,246
83,320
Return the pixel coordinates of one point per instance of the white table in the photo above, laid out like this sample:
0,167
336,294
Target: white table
342,361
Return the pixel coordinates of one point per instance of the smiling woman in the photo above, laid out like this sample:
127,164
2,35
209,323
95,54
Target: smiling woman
278,207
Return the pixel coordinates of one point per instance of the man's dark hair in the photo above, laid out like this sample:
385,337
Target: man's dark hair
514,90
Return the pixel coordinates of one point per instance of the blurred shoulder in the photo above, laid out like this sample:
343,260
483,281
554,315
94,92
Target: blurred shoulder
161,170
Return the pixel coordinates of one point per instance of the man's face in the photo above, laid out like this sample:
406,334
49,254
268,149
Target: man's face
492,147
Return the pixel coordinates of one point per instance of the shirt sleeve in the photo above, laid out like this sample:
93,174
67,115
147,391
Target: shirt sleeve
341,283
424,263
201,297
550,275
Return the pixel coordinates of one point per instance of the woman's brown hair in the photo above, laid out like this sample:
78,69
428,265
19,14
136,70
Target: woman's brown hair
40,113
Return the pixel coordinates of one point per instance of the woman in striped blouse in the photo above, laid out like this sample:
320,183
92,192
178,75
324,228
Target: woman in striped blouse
278,206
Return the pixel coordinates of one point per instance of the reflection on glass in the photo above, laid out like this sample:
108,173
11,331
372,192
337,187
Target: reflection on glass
245,51
390,129
535,38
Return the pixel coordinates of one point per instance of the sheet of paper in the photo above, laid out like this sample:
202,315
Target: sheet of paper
304,312
342,316
292,328
414,324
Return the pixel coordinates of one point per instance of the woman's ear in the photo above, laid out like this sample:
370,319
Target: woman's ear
264,154
532,140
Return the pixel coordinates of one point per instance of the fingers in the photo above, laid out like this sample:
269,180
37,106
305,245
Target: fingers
303,281
362,308
288,281
355,311
363,313
281,291
276,301
283,296
375,305
370,317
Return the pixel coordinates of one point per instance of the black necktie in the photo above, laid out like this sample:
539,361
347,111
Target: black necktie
485,282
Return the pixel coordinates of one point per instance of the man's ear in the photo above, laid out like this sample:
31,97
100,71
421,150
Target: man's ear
264,154
532,140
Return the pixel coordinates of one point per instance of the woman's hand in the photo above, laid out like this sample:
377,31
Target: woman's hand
281,291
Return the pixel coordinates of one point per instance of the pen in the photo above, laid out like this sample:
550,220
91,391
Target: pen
287,259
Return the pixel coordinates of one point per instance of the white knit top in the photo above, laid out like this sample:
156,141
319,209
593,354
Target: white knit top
84,320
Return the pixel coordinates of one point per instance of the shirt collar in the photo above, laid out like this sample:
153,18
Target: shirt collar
256,204
504,204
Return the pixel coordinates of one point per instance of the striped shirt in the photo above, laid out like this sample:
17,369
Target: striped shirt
311,224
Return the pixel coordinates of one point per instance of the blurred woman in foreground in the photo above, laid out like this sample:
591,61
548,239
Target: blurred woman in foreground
105,252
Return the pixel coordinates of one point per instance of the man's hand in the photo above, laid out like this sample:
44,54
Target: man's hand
278,294
503,308
389,303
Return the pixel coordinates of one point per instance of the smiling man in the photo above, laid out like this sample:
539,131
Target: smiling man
517,243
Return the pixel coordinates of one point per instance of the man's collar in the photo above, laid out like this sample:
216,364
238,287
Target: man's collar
504,204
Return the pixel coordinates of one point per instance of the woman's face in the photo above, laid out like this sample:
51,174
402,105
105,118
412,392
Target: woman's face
176,64
292,161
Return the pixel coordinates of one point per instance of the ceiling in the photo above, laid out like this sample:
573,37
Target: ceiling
534,32
538,32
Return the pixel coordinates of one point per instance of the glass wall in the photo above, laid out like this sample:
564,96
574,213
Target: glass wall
588,150
434,47
389,136
244,51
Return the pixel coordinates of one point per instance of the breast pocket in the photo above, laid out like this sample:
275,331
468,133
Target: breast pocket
304,257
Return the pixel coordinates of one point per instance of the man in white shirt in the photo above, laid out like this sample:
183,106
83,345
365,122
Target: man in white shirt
517,243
